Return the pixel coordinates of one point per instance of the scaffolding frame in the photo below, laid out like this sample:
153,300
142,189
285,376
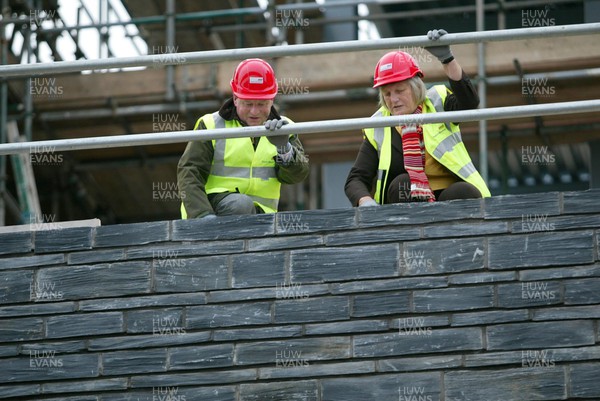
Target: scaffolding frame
170,60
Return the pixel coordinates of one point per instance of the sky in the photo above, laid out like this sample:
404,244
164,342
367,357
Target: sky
120,44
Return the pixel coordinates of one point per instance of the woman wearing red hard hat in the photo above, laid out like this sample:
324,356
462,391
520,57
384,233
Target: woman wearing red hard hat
415,162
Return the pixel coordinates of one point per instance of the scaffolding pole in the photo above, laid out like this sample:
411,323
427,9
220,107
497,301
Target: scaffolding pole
213,56
312,127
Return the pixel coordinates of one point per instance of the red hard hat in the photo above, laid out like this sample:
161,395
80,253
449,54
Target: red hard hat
395,67
254,79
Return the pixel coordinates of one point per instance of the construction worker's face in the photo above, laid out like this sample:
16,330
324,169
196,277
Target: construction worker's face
398,98
253,112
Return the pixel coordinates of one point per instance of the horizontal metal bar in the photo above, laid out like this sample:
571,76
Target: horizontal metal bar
312,127
212,56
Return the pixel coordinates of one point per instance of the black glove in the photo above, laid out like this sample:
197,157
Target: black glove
443,53
280,141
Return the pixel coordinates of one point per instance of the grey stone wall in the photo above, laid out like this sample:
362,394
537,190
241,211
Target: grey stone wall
494,300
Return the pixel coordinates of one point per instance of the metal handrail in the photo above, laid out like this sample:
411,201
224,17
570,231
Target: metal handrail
211,56
299,128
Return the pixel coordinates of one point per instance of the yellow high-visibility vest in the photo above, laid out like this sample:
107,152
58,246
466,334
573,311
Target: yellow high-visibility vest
443,142
238,167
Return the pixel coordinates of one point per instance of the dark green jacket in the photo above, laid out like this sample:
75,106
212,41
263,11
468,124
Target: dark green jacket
195,164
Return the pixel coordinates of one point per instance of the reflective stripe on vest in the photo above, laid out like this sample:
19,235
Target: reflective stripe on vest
449,151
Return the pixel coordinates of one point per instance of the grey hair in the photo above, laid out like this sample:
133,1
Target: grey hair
417,86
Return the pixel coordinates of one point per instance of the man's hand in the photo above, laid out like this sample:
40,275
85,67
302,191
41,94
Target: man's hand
443,53
367,201
281,142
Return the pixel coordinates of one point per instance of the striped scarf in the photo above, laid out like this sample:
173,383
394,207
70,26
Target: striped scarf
414,160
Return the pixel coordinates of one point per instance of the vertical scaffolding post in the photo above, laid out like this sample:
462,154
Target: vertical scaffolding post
3,116
481,88
170,39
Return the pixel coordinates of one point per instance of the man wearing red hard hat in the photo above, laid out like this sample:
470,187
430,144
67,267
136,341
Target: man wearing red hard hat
241,175
416,162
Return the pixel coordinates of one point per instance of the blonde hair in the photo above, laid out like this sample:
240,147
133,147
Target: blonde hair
417,86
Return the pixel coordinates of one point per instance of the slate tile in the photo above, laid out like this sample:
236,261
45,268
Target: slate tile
302,390
194,379
258,269
560,272
403,283
281,290
84,324
37,309
353,326
381,304
284,242
62,347
95,256
419,258
20,390
282,353
310,221
482,277
316,370
227,315
438,341
337,264
419,213
529,294
155,321
104,385
31,261
564,313
183,250
258,333
15,286
465,229
134,362
453,299
540,335
191,275
48,366
175,393
120,235
107,304
397,386
582,291
66,239
21,329
201,357
95,281
379,235
489,317
224,227
543,223
584,380
147,341
417,364
541,249
515,206
510,384
13,243
581,202
320,309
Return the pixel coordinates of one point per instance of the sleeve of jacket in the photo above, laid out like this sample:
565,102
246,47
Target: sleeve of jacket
463,96
297,169
192,173
363,173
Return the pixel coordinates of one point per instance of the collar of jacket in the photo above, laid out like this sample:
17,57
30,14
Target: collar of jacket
227,111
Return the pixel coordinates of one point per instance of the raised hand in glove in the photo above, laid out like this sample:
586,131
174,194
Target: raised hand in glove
281,142
443,53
